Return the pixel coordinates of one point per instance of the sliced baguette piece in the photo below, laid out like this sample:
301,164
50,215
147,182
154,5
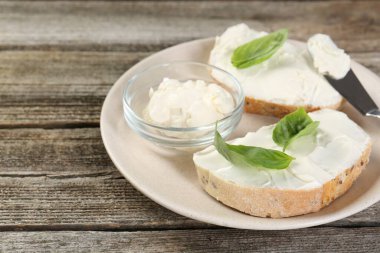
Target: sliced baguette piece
319,175
279,85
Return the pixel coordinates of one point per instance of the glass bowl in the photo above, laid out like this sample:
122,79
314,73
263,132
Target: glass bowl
136,98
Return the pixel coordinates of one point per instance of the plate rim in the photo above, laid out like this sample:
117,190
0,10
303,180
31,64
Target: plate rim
176,209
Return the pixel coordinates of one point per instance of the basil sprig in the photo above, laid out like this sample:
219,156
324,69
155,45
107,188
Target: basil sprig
258,50
250,156
293,126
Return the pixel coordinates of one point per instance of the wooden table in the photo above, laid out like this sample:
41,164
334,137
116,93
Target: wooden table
59,191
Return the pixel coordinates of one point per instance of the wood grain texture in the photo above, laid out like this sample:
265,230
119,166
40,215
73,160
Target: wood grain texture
67,89
57,88
91,202
154,25
64,179
60,179
215,240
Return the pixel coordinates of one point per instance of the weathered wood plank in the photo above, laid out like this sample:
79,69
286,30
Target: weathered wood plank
60,89
56,68
153,25
38,72
53,152
57,88
216,240
95,202
100,201
62,179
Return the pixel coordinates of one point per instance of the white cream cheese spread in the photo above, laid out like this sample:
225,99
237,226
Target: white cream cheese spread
327,57
288,77
190,103
338,146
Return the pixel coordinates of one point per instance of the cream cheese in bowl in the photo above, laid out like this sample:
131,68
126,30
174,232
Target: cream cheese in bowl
189,103
177,104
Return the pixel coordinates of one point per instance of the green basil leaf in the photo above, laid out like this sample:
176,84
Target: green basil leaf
249,156
258,50
292,127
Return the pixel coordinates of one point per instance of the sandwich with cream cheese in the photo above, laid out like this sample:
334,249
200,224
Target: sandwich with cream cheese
275,85
297,166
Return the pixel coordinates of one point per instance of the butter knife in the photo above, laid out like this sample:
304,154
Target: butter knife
353,91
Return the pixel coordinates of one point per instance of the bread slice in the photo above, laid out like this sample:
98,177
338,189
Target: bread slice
279,85
279,203
274,201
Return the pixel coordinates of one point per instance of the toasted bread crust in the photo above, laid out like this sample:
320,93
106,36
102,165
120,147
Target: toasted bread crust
279,203
262,107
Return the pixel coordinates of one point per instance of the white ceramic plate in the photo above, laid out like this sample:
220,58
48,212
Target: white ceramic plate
169,177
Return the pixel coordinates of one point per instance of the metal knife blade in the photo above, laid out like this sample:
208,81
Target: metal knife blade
352,90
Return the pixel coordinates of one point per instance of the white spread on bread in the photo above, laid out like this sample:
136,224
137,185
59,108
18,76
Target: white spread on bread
339,144
288,77
328,59
190,103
